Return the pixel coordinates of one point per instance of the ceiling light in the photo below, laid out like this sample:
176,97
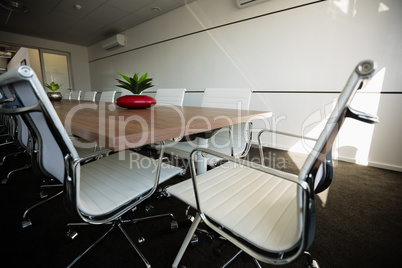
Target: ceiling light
156,9
13,6
77,6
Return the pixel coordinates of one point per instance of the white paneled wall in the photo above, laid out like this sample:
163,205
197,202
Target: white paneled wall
79,55
296,55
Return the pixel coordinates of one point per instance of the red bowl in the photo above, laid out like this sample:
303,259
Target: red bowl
135,101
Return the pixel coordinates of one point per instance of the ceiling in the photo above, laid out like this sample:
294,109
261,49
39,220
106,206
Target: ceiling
88,23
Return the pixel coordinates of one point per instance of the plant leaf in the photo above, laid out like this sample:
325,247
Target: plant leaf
125,77
53,86
142,78
134,84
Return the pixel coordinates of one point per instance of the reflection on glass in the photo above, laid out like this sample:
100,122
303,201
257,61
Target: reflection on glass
56,70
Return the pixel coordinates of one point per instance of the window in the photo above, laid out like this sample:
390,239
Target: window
56,68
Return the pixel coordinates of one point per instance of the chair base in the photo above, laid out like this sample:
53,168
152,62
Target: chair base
190,240
71,235
26,222
13,154
311,263
5,180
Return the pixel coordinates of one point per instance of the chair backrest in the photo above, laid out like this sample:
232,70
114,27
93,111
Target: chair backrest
67,95
317,168
19,128
107,96
290,199
228,98
89,95
75,95
56,155
53,142
173,96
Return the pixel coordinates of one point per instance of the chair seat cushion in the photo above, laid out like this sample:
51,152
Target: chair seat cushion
256,206
114,180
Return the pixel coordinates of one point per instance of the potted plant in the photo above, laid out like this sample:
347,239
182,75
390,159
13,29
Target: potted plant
53,95
135,85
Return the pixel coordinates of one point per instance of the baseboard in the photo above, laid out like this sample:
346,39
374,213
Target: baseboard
345,159
372,164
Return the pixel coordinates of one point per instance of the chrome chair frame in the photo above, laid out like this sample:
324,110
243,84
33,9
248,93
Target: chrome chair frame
107,96
88,95
75,95
213,98
65,164
306,182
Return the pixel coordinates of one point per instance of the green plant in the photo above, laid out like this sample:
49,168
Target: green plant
53,86
134,84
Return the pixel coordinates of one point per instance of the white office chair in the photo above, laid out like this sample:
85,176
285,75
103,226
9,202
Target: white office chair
170,96
67,95
107,96
269,214
75,95
235,143
99,192
19,135
88,96
27,145
82,146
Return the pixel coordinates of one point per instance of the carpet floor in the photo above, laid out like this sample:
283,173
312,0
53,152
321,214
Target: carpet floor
358,224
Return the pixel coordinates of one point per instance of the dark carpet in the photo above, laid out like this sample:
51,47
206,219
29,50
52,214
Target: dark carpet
360,225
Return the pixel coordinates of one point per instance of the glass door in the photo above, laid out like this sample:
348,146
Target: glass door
56,68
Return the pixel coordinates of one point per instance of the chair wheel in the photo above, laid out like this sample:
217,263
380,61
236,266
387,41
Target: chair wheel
26,223
163,193
311,262
148,208
174,225
194,240
71,235
314,264
141,240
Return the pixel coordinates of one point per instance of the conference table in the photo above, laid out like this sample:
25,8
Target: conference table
119,128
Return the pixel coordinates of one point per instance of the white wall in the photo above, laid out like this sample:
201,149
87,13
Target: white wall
35,62
21,55
31,58
79,55
296,61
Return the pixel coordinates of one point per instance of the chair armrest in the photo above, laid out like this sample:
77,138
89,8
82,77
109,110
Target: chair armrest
249,138
276,132
278,173
2,101
361,116
21,110
92,155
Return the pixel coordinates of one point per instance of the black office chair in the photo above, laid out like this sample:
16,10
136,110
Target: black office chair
269,214
25,144
19,135
99,192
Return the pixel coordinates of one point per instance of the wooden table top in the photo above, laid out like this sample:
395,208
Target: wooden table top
118,128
